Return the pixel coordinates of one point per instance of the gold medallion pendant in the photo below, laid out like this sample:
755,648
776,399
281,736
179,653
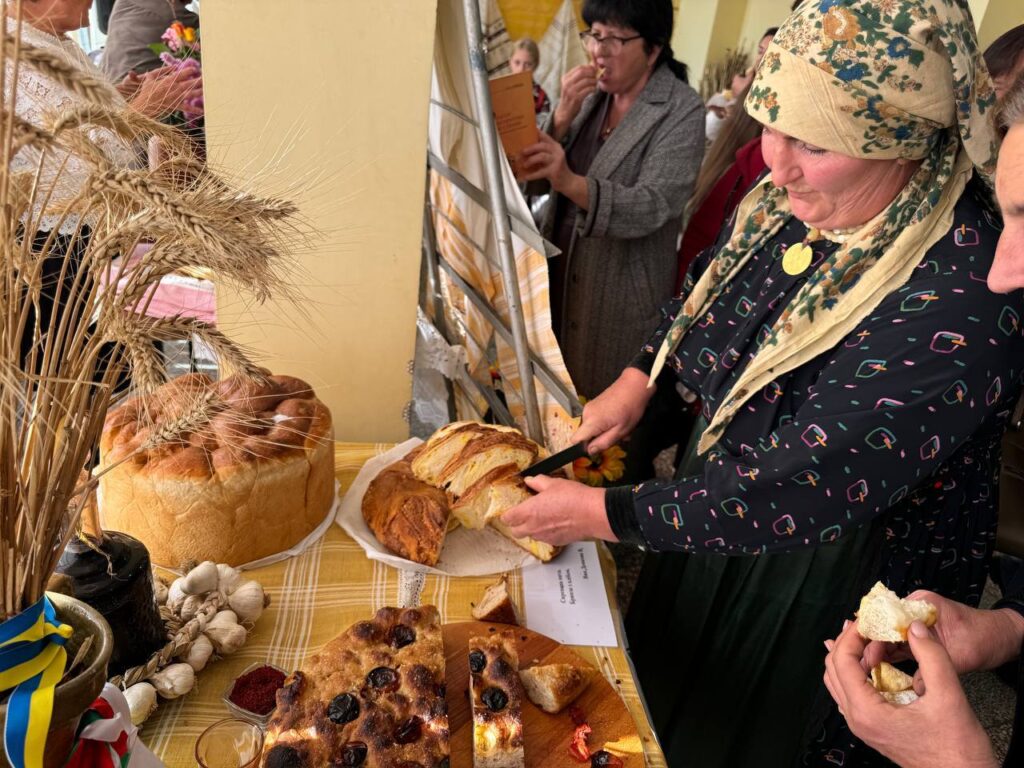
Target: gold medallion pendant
797,258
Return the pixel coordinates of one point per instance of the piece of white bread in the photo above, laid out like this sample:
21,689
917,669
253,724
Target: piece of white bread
497,605
478,465
553,687
483,454
884,616
900,697
441,448
492,495
539,549
896,686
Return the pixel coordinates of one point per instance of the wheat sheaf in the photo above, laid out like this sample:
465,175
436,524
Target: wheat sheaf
73,328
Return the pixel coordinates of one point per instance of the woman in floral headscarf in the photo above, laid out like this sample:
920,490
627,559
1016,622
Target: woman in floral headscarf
856,375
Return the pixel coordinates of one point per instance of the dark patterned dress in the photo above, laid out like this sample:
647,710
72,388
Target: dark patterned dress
877,460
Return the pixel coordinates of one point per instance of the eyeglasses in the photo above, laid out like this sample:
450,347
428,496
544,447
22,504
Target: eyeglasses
611,43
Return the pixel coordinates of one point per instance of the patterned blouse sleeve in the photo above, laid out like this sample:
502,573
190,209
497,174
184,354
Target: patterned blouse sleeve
935,361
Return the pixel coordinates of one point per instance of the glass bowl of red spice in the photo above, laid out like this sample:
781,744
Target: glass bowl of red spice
252,695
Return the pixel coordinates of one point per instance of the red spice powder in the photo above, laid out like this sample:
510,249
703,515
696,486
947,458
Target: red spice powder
256,690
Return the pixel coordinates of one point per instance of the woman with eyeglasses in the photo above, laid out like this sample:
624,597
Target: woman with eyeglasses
620,154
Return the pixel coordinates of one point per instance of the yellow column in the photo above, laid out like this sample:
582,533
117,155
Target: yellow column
703,30
329,101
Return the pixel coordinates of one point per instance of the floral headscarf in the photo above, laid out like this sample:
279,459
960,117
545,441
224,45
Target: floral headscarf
882,79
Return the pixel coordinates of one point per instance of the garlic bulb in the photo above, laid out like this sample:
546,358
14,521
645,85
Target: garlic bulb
190,607
229,578
224,617
199,653
141,701
247,601
174,680
201,579
226,637
159,591
175,594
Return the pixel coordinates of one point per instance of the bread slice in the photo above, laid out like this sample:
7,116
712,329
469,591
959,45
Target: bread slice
496,701
884,616
443,446
553,687
497,606
490,496
539,549
484,453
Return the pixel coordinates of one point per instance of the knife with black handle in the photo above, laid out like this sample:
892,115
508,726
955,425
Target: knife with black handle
556,461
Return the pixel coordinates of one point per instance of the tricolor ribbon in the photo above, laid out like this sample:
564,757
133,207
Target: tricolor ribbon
106,737
32,661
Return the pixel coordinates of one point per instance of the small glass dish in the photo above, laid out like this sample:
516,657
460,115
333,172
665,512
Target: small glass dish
230,743
245,714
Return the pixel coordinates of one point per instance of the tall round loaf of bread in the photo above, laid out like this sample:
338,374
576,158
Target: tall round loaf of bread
231,471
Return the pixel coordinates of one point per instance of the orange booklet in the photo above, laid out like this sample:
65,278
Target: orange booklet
512,102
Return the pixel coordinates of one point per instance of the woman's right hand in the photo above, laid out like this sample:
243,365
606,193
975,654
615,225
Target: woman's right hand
578,83
613,414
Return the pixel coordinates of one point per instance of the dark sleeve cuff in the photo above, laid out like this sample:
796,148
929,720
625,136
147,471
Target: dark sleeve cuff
644,361
618,505
1015,602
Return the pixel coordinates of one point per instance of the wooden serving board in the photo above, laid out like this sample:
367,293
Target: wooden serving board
546,737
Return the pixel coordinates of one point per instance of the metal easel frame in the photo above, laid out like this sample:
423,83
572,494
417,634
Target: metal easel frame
503,224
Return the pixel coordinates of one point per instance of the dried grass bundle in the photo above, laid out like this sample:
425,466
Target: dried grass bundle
718,76
59,368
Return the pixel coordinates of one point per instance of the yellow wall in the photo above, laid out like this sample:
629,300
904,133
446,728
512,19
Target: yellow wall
704,29
331,97
999,16
760,15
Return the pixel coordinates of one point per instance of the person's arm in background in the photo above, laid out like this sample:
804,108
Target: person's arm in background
166,90
578,83
631,211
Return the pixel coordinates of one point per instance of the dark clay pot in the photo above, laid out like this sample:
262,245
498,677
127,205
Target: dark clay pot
113,575
73,696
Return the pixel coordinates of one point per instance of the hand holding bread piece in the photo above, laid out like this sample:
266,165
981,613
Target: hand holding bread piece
884,616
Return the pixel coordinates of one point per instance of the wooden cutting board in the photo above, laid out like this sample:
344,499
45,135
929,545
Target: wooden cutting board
546,736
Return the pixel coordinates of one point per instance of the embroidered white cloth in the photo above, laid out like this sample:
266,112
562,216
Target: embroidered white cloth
38,97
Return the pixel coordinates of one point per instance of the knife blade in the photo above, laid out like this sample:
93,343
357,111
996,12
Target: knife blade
553,462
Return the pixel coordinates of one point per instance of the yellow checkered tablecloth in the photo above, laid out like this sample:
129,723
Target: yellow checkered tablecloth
321,592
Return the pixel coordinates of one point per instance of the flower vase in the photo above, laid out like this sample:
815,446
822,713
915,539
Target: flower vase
73,695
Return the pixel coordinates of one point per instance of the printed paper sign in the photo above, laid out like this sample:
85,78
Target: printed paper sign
566,599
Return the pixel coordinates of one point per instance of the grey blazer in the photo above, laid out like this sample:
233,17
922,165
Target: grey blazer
622,261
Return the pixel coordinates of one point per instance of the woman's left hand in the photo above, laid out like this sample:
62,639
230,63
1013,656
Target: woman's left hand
544,160
940,728
561,512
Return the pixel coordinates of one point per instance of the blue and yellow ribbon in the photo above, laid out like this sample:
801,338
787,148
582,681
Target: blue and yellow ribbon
32,661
